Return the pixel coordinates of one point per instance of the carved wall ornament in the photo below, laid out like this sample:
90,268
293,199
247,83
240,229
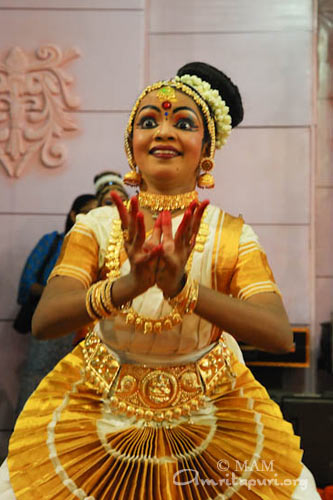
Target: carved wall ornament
35,105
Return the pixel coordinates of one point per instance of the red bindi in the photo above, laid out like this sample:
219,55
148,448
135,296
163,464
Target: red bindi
166,105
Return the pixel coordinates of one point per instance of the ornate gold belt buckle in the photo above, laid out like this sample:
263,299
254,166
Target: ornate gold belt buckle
157,394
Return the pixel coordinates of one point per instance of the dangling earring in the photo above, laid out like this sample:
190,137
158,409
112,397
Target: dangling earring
206,180
132,178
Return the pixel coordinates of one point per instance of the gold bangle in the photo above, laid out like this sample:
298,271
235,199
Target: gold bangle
103,300
89,307
187,298
107,295
94,300
192,297
181,298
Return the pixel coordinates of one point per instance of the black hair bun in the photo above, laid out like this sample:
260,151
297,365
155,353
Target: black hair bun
227,89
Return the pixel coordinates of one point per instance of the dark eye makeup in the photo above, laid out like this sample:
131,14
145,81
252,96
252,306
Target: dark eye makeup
186,123
147,122
180,122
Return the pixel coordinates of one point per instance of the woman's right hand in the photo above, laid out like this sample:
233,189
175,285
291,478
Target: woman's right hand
143,255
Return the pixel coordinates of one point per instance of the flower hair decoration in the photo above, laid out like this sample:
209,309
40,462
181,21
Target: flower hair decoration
218,107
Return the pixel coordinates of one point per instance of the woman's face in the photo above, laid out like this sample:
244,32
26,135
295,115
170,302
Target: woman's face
84,209
168,143
88,206
106,198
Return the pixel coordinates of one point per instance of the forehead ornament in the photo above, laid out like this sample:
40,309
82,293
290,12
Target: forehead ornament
167,94
166,105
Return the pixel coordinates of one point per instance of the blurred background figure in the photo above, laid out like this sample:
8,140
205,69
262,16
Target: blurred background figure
44,355
108,181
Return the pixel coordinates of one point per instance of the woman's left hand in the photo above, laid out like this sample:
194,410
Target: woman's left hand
176,251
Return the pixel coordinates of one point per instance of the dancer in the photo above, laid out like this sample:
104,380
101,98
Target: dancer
157,403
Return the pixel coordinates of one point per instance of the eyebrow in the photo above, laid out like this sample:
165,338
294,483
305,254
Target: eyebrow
151,107
180,108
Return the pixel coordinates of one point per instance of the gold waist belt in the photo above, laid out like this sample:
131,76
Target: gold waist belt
155,394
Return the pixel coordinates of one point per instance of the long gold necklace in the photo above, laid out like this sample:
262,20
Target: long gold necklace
112,262
156,203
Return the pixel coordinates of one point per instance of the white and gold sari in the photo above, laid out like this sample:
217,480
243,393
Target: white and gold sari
171,415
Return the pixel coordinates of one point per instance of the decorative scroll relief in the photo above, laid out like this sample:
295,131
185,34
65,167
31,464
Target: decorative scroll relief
35,105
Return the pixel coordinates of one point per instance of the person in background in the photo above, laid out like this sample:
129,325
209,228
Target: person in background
108,181
43,356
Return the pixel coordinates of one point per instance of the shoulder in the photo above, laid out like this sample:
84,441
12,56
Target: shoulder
248,235
47,239
96,224
224,221
97,216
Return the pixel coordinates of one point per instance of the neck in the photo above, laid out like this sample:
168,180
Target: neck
166,188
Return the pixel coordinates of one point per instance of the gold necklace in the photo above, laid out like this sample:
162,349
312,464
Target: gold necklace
112,262
158,202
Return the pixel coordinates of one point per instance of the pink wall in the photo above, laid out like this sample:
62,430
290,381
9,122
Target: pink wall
266,171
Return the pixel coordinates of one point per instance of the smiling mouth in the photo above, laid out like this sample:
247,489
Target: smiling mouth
165,153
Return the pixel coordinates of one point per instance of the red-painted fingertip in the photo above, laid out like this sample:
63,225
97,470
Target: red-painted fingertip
203,206
166,217
115,196
134,202
140,217
193,205
158,221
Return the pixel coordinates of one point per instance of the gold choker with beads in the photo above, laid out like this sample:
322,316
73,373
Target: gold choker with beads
160,202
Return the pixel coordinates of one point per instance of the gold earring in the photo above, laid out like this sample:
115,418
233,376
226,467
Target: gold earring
206,180
132,178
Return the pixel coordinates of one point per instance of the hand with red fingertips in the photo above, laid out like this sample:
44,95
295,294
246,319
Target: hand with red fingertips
176,250
143,258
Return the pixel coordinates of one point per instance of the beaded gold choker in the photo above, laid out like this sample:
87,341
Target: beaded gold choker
160,202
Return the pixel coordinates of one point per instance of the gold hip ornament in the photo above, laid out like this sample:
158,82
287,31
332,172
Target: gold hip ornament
156,395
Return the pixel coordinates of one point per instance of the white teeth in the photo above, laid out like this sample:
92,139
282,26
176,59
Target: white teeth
165,152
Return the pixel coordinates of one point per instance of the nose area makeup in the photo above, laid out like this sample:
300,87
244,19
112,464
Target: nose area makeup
165,129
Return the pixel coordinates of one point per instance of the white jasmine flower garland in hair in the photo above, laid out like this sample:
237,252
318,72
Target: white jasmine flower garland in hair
217,105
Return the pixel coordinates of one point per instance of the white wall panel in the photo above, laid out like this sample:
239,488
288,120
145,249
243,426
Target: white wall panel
18,235
109,73
230,15
264,174
270,69
287,248
324,173
99,147
12,355
72,4
324,232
